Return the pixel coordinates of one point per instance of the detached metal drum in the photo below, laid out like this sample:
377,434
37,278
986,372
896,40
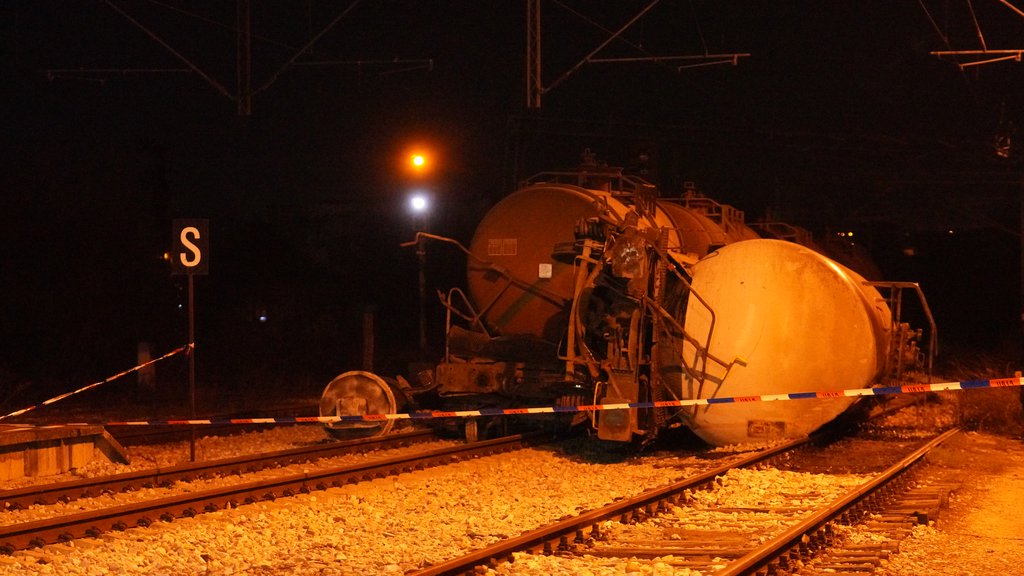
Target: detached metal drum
796,322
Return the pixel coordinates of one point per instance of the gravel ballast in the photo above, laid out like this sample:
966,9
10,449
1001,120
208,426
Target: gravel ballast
389,525
396,524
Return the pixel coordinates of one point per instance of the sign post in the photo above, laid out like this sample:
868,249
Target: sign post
190,255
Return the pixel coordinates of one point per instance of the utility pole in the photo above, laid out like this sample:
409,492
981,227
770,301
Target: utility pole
243,61
535,88
244,91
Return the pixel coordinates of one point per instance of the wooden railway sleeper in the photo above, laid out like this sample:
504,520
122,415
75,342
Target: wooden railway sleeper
814,542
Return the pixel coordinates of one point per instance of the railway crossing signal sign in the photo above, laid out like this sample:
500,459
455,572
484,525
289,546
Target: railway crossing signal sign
190,252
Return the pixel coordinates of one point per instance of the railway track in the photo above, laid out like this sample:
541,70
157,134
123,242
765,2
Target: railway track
432,501
882,493
95,522
574,531
64,492
616,533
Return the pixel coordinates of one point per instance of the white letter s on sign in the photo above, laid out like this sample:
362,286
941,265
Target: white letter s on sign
197,255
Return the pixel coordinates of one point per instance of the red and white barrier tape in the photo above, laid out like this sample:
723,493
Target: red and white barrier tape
90,386
882,391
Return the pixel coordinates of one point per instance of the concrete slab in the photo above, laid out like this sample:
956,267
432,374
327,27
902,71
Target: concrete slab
50,450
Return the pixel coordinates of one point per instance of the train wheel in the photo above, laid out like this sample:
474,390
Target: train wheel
472,431
357,393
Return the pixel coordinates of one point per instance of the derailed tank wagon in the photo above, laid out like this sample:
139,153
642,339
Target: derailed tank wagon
589,287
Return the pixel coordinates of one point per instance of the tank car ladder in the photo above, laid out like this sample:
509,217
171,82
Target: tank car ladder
904,337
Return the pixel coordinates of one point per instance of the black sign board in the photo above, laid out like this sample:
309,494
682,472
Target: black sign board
190,249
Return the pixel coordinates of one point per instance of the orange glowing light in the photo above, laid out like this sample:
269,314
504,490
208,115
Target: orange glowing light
418,159
419,162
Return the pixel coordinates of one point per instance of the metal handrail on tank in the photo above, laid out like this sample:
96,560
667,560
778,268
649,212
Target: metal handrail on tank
577,352
728,217
474,318
606,178
549,295
784,231
576,343
576,330
895,302
702,351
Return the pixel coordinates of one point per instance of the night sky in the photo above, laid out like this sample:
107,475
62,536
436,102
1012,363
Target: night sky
839,119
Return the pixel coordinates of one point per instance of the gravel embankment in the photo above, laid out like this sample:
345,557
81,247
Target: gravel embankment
982,531
729,508
396,524
389,525
40,512
147,457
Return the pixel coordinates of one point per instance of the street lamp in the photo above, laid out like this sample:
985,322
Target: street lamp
419,161
419,204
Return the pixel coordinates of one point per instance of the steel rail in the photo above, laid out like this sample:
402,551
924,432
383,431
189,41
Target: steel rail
574,527
93,523
90,487
761,558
